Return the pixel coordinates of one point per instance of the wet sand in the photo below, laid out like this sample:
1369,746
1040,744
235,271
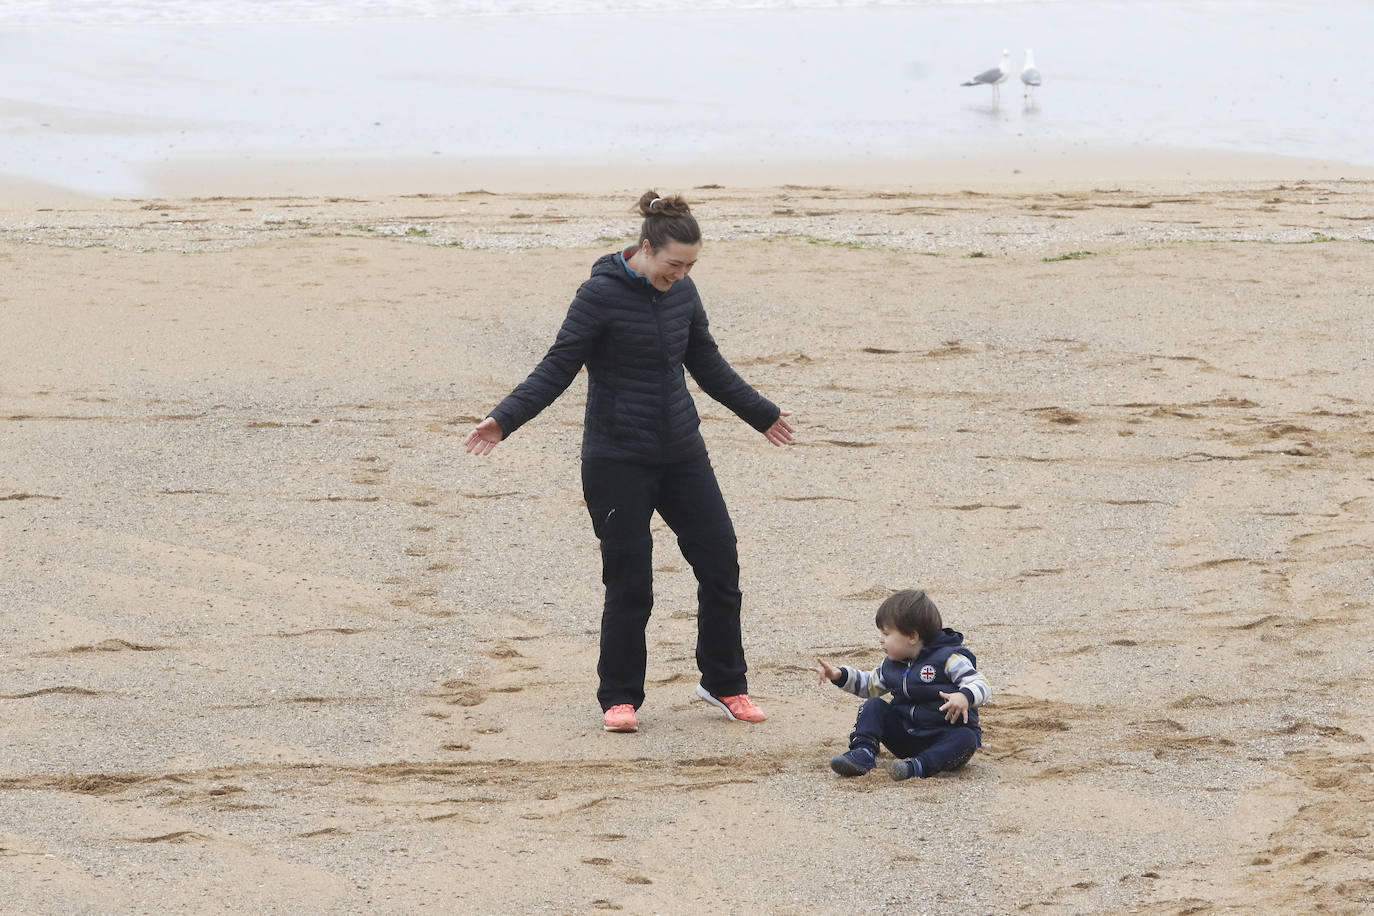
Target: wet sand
273,643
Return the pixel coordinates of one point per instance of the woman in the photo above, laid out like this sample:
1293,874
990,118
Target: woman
636,323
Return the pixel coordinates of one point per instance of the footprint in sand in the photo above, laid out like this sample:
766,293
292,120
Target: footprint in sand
71,691
1057,415
971,507
179,836
872,593
112,645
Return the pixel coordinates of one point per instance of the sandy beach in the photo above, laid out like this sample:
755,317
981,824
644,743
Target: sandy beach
272,643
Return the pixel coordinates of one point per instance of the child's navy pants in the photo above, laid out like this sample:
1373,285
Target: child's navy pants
880,722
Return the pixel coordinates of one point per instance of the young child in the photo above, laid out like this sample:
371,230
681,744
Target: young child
931,725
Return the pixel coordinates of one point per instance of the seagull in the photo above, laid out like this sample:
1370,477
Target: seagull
994,77
1030,75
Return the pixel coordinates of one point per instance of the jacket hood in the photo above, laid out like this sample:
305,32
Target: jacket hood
948,638
609,266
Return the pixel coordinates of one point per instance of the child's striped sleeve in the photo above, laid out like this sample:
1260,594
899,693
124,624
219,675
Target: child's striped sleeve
968,679
862,683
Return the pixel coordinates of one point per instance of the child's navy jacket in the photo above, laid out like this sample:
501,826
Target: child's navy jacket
943,664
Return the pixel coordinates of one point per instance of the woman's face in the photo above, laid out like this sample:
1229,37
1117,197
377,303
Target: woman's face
669,264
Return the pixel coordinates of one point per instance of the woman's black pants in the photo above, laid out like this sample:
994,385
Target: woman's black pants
621,498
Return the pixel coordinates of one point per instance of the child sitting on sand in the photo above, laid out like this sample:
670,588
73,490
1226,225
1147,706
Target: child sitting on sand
931,725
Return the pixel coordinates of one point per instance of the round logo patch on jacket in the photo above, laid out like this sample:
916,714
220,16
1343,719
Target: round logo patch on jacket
928,674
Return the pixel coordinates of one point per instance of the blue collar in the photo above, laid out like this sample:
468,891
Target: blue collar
630,270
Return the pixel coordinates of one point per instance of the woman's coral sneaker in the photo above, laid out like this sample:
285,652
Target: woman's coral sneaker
620,719
739,707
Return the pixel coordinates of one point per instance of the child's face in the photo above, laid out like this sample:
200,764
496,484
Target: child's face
899,646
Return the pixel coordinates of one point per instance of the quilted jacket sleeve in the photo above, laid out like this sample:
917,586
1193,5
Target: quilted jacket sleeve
719,379
557,369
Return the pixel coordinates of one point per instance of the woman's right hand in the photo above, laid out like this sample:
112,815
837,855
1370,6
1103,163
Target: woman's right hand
780,433
484,437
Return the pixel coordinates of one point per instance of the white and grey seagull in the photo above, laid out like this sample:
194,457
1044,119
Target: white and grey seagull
1030,75
994,77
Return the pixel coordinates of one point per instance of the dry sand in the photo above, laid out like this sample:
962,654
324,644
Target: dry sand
272,643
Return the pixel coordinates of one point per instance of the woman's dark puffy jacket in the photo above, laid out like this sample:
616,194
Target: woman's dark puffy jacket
635,342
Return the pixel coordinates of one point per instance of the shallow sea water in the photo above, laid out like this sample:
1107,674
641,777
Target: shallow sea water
97,94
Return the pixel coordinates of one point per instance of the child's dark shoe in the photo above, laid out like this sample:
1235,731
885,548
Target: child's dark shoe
854,762
905,769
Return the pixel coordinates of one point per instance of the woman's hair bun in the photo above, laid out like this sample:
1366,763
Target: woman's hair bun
667,219
651,204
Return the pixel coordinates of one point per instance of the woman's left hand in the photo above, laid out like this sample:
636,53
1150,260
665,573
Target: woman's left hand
780,433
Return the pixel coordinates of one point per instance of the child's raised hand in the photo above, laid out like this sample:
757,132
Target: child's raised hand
827,671
956,706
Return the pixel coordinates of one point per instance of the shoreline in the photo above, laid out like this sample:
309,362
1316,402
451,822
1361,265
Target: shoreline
342,176
1046,167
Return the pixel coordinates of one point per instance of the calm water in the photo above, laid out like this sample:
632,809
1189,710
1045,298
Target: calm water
108,12
93,94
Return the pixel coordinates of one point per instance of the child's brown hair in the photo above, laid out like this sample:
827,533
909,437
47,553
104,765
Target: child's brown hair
911,613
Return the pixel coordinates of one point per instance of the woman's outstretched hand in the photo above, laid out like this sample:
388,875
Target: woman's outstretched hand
483,438
780,433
